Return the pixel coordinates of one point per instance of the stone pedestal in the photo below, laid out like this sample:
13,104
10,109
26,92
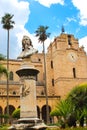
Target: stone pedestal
27,74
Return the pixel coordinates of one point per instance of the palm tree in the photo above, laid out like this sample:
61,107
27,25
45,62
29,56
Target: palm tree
78,97
3,70
42,36
63,110
7,24
2,57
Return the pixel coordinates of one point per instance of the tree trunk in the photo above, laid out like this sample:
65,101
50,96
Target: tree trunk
45,85
8,72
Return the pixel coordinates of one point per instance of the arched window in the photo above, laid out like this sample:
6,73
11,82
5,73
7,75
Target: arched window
11,76
52,82
69,40
74,72
14,93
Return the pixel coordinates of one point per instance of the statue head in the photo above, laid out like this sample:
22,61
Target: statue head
27,48
26,43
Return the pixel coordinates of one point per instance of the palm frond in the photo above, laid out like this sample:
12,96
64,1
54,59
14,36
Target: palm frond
41,33
7,21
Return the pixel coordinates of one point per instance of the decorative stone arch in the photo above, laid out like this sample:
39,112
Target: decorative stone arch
11,109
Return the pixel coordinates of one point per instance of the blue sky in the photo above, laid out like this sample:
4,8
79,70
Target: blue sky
30,14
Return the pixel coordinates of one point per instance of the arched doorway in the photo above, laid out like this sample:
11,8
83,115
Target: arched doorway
11,109
1,113
44,113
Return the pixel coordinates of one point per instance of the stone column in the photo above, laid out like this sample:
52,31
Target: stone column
27,76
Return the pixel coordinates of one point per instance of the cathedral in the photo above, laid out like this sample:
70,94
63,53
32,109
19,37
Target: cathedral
66,67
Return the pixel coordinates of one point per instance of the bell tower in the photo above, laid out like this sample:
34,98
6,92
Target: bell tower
69,64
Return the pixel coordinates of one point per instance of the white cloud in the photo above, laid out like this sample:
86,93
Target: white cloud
81,5
48,3
83,42
21,12
71,19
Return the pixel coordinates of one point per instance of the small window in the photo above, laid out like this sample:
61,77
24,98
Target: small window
43,76
74,72
11,76
55,45
39,59
52,82
51,64
69,40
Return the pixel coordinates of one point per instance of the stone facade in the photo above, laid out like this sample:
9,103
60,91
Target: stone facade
66,67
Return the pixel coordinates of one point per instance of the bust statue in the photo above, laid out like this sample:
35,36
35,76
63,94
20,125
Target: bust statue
27,48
